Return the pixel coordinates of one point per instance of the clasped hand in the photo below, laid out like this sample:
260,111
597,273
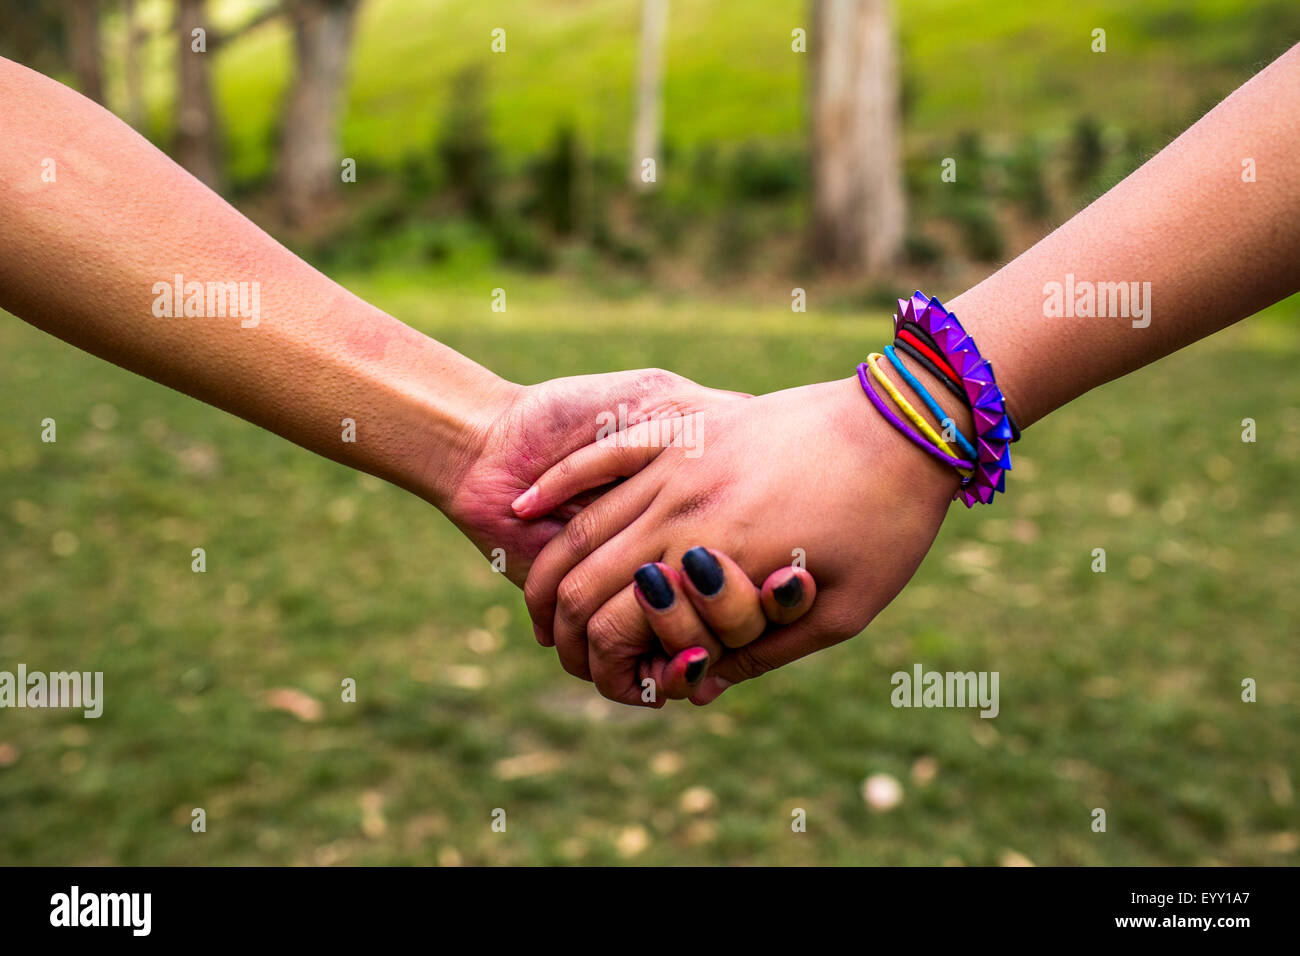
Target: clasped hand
807,475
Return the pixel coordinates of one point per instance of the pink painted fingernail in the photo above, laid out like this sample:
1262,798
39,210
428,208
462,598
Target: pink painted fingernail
697,663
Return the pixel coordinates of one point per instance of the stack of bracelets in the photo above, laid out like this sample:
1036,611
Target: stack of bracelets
931,336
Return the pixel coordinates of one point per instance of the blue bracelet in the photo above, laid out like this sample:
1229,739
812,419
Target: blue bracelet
930,403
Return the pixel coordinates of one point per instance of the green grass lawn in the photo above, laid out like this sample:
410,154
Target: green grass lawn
1118,690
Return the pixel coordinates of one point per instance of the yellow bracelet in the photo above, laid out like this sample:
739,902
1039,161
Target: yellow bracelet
911,412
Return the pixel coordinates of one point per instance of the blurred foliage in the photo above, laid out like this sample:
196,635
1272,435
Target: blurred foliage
555,182
1026,179
1087,153
525,140
466,150
32,32
981,235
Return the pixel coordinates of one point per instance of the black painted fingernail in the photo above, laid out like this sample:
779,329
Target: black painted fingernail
654,585
704,571
790,593
695,669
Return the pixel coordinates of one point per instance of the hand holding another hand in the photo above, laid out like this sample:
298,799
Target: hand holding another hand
811,470
529,429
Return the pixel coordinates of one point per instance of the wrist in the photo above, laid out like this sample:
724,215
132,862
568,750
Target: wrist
435,411
1006,349
957,415
457,410
885,455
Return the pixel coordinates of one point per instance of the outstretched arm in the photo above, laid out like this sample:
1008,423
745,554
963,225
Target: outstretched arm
108,244
93,217
1212,223
817,468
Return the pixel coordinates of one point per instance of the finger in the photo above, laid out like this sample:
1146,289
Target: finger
532,539
788,594
575,504
725,598
618,639
597,578
616,456
684,672
824,628
650,675
672,617
585,532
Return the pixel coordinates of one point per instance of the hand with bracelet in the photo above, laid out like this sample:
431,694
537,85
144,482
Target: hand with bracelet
818,468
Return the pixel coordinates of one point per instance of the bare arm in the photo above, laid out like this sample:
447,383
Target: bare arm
82,254
95,227
1213,247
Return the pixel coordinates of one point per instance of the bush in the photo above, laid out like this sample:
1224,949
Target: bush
1087,151
554,183
981,235
734,241
763,175
919,250
972,163
520,243
465,147
1026,179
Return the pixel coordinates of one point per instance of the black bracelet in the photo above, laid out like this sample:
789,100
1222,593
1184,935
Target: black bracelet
933,369
925,337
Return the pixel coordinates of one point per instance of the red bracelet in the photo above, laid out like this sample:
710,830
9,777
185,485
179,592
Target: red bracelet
929,353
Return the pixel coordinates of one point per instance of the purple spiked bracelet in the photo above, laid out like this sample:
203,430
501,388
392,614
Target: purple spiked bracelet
993,428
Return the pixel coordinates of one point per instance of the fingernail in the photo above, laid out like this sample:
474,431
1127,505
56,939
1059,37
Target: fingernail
695,669
704,571
524,502
653,583
790,593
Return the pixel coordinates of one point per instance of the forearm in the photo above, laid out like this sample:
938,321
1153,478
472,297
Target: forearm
94,255
1213,247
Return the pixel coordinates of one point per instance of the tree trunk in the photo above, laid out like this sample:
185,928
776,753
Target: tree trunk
84,47
646,128
198,142
309,160
858,204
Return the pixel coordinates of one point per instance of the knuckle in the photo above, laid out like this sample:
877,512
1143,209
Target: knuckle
564,468
571,594
601,633
605,632
578,534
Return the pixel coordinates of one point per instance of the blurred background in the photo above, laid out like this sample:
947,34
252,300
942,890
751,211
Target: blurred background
649,182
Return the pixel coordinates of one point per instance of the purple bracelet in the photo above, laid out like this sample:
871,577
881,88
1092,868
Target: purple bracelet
992,428
906,429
